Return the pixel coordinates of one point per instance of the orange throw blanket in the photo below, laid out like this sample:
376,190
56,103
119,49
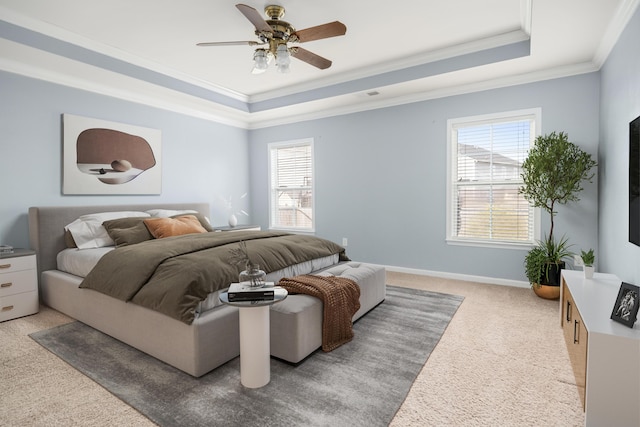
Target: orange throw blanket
340,298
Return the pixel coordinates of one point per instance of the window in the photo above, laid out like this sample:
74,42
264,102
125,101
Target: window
486,154
291,185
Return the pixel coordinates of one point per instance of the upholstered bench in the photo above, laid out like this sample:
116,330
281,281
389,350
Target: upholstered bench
296,322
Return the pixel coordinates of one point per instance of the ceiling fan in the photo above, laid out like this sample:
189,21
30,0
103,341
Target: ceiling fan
276,34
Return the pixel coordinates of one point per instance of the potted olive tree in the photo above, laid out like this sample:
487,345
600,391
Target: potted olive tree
552,174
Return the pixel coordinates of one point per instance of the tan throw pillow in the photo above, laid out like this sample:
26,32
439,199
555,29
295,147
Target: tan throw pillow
167,227
203,220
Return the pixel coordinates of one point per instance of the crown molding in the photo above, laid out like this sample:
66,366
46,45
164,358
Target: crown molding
615,28
155,95
40,35
348,105
30,62
63,35
490,42
510,37
526,16
60,34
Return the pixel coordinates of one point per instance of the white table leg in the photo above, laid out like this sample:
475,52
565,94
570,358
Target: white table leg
255,350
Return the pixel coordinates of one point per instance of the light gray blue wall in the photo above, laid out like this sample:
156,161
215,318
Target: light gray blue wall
201,160
381,176
620,104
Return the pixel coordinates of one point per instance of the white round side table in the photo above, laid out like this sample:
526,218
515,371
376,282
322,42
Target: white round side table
255,343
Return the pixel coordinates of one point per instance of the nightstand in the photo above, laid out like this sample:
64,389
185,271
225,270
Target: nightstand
238,228
18,284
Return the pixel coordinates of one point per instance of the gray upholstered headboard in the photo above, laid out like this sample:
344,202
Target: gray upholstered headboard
46,225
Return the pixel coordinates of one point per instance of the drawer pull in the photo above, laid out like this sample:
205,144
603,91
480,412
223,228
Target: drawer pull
5,265
568,311
576,338
7,308
6,285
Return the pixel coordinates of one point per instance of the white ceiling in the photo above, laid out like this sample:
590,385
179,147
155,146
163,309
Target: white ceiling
566,37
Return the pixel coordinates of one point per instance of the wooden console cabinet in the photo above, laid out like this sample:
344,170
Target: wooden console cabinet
605,355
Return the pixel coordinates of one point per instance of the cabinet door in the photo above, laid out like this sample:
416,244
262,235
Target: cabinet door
576,337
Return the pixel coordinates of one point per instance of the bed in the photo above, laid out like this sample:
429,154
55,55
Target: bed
195,347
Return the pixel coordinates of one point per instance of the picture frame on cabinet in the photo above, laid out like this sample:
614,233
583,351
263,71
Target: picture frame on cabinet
625,310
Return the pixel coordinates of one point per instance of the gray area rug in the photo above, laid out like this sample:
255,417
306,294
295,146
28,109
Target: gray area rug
362,383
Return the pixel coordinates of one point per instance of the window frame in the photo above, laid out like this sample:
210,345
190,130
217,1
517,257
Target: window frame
272,199
452,144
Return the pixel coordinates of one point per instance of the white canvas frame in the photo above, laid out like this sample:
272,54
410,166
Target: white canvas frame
76,181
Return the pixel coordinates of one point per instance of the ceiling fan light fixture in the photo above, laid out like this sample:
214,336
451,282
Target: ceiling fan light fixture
260,61
283,58
277,34
284,69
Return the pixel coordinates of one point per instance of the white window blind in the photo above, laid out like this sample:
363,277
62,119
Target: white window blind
291,184
484,202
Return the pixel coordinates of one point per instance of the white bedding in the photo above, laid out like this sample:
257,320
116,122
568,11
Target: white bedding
79,262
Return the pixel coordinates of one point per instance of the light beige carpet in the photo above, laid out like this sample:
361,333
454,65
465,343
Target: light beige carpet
501,362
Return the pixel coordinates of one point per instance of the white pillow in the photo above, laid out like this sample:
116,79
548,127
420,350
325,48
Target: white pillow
88,232
166,213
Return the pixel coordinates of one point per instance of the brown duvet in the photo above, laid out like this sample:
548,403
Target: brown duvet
172,275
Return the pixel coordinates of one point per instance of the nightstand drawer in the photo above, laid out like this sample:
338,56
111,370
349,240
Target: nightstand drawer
19,263
17,282
18,305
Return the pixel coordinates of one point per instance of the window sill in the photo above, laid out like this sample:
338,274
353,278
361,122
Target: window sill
494,245
293,230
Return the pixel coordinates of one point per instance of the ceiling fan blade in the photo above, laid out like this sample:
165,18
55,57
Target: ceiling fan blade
332,29
310,58
232,43
254,16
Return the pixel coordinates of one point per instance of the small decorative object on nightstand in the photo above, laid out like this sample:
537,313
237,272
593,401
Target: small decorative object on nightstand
233,214
233,220
18,284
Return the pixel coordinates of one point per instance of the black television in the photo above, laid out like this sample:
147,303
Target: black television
634,181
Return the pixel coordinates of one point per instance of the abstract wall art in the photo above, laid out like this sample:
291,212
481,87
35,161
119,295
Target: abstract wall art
102,157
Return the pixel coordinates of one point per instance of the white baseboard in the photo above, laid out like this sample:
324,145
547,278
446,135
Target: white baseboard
458,276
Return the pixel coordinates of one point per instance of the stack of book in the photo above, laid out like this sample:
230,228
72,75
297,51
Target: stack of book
244,292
